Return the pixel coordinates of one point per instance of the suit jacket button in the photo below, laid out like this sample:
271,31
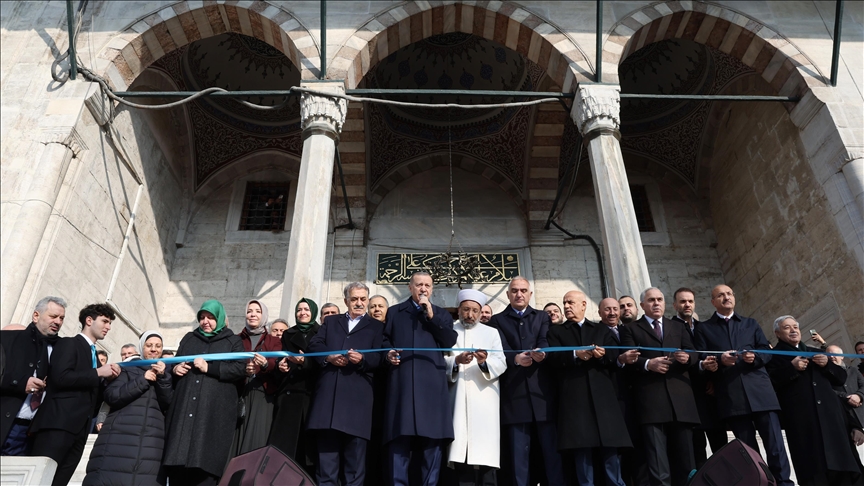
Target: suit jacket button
31,365
814,383
14,382
818,402
8,414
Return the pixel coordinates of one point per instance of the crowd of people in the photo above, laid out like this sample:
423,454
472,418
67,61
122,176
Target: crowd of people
483,399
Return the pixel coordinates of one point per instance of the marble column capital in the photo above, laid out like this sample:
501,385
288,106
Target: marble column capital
597,107
323,113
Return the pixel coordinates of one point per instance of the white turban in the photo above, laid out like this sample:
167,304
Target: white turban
471,294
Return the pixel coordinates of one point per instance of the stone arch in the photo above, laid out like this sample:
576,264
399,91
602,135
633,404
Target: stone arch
139,45
504,22
774,57
413,167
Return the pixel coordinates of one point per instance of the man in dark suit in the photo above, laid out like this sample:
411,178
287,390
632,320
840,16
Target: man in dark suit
665,405
528,391
341,412
23,385
60,428
745,397
634,468
588,422
684,301
417,415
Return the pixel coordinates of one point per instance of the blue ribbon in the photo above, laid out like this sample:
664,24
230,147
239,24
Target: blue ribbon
286,354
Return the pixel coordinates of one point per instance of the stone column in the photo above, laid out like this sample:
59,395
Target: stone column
596,114
321,119
29,228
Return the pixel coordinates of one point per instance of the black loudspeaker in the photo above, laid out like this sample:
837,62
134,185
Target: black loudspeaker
267,466
734,464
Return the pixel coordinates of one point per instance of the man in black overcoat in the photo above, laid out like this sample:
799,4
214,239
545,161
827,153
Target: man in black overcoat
23,385
745,397
588,419
665,404
61,427
341,412
528,389
810,413
417,416
710,426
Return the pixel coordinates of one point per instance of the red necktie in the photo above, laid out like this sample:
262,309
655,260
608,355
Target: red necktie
35,399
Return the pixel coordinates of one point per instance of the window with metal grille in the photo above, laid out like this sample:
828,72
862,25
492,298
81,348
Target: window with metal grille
264,206
643,209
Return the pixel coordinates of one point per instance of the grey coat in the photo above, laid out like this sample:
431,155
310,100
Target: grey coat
128,450
203,413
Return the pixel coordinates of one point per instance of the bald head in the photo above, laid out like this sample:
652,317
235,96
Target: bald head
14,327
834,349
609,312
575,303
723,299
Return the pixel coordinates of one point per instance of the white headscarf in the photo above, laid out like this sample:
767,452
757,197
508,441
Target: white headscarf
144,337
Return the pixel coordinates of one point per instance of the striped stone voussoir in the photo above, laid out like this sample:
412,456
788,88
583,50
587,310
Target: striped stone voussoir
174,26
769,53
506,23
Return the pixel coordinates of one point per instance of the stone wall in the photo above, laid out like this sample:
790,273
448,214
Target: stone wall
84,238
778,244
211,265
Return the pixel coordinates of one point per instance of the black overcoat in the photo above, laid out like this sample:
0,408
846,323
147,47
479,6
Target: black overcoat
589,416
854,385
742,388
25,352
293,398
811,415
128,450
418,399
699,380
203,412
661,398
343,395
528,393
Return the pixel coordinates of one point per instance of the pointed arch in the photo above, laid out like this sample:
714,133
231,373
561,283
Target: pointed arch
143,42
506,23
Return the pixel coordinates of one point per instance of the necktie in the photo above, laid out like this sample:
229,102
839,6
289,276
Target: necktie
35,400
615,332
93,354
657,331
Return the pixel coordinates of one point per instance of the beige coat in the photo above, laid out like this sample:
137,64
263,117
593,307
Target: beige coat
474,397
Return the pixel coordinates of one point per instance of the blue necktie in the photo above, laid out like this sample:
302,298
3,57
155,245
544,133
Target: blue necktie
93,354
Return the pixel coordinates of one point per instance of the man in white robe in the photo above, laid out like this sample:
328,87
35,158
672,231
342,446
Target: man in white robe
475,393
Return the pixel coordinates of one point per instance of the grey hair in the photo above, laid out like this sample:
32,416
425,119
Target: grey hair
43,303
421,273
128,345
519,277
283,321
642,295
354,285
781,319
379,296
329,304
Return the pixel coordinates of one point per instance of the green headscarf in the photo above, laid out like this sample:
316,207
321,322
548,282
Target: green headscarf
214,307
313,309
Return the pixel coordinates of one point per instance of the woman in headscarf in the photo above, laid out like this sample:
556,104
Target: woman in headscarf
203,413
297,383
259,395
129,447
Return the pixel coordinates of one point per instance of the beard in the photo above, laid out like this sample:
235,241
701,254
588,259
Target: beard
466,325
627,319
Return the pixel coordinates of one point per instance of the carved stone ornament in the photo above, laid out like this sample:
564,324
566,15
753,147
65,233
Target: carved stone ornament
322,112
597,107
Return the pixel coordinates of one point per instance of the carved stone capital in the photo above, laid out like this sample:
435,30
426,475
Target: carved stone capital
323,112
597,107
